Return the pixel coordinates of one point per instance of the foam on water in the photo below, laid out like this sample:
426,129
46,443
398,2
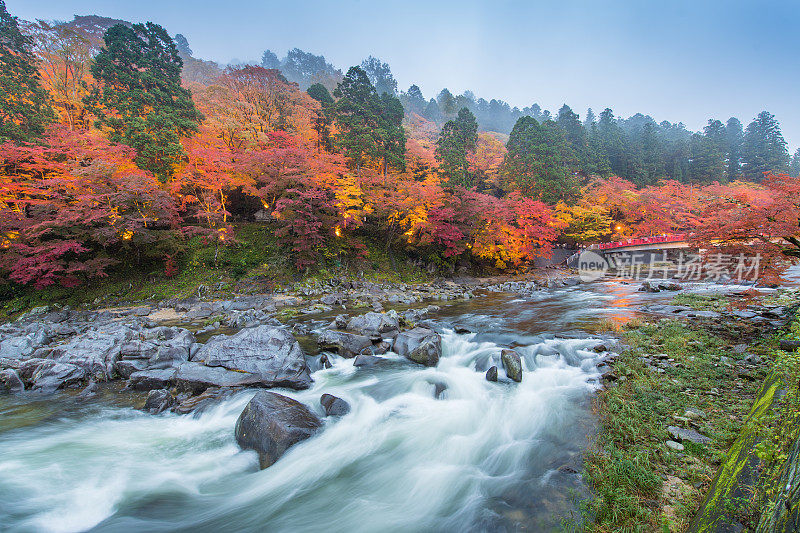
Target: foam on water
401,460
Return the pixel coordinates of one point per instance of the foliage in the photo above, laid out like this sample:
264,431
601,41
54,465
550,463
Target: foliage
24,105
458,139
139,97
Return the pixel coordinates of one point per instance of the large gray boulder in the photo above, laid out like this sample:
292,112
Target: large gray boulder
52,375
271,423
333,405
269,352
374,324
512,364
17,347
95,351
421,345
195,378
146,380
10,381
345,344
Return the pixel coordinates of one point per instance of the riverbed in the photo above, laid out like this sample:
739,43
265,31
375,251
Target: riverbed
499,456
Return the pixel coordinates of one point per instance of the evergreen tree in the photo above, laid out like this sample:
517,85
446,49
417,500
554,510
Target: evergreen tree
734,137
139,95
570,124
269,59
458,138
611,143
319,93
432,111
794,166
413,101
183,45
369,126
447,103
653,165
380,75
24,105
764,148
539,161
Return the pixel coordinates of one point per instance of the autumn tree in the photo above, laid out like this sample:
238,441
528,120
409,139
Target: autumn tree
538,163
65,57
24,105
139,95
458,139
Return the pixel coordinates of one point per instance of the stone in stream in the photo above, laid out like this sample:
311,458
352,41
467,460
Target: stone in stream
269,352
512,364
333,405
367,360
421,345
195,378
270,424
158,401
491,374
152,379
345,344
372,323
52,375
90,391
10,381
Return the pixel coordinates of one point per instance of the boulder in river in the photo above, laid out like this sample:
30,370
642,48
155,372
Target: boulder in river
195,378
372,323
345,344
491,374
421,345
10,381
333,405
152,379
158,400
271,423
270,352
512,364
52,375
367,360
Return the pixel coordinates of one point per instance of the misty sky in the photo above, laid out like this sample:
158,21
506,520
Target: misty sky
676,60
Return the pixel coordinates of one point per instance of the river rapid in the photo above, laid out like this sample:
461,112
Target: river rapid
483,456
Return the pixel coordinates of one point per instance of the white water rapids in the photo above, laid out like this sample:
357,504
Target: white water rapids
484,456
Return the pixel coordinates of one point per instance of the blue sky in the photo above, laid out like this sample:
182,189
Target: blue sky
676,60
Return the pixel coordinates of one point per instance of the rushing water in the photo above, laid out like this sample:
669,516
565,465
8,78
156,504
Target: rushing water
484,456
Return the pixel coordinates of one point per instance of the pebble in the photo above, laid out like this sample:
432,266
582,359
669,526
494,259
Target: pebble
677,446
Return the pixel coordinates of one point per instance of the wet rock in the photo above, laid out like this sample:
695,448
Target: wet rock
333,405
10,381
90,391
324,361
125,367
152,379
195,378
682,434
345,344
512,364
367,360
374,323
378,348
491,374
197,404
649,287
17,347
52,375
95,351
461,330
421,345
438,389
271,424
266,351
600,348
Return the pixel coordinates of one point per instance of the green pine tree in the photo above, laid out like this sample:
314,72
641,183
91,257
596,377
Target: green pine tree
458,138
539,161
24,105
370,127
764,148
139,95
734,137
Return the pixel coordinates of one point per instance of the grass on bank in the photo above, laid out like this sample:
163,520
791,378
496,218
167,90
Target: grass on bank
639,484
256,263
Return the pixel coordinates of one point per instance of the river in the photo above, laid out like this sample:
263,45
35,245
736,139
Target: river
484,456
